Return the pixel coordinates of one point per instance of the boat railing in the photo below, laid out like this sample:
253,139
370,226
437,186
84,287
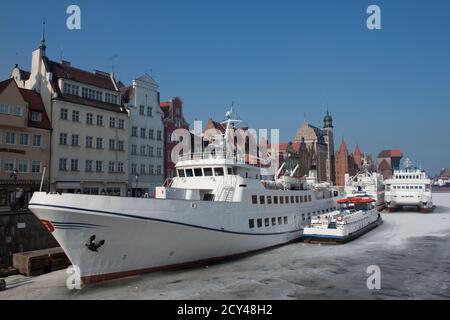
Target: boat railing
222,155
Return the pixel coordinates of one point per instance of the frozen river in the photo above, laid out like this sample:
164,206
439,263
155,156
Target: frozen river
411,249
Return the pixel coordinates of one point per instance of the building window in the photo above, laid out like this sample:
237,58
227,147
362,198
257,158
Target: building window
92,94
4,108
120,167
134,131
281,200
254,199
111,166
134,149
150,134
89,118
63,114
159,170
142,171
74,165
151,169
23,166
158,135
99,166
141,110
112,144
37,140
23,139
99,120
251,223
75,116
269,199
143,132
10,138
133,168
110,98
151,152
121,124
159,152
63,164
120,145
142,151
8,165
99,143
36,166
275,199
63,139
88,166
75,140
71,89
262,199
149,111
89,142
112,122
36,116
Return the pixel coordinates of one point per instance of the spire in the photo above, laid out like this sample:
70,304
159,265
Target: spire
328,120
42,45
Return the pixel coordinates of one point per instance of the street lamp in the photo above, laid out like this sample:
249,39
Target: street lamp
137,181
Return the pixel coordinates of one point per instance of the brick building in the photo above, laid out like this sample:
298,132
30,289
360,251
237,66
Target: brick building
173,119
388,161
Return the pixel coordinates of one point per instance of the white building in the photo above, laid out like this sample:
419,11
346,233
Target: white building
146,136
89,140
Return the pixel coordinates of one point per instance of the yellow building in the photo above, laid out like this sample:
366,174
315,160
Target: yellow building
24,144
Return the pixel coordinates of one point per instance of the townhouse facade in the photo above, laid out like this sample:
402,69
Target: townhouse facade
24,144
89,140
173,119
145,136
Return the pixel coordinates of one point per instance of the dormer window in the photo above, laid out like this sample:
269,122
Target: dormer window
71,89
36,116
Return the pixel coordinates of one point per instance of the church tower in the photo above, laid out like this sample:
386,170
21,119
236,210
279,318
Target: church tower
330,159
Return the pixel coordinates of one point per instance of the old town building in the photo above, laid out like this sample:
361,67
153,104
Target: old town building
173,119
320,144
89,139
388,161
146,136
24,144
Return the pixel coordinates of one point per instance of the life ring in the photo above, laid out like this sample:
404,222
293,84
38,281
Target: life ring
340,218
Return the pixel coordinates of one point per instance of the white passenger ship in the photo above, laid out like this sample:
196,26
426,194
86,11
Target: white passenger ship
368,183
409,187
357,216
216,207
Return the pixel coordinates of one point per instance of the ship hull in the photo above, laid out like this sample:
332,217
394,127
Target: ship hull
149,238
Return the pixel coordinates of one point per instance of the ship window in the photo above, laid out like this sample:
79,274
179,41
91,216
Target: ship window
301,199
229,171
306,198
274,221
181,173
420,187
266,222
261,200
287,199
218,171
417,187
254,199
198,172
281,200
275,199
208,172
269,199
280,220
296,199
189,173
292,199
309,198
285,220
251,223
259,223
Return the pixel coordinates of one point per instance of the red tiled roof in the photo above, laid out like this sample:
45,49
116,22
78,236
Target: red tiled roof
4,84
395,153
35,104
24,75
164,104
70,73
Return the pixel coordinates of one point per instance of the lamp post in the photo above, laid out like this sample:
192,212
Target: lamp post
137,181
13,175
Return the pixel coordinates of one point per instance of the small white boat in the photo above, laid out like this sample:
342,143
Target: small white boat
357,216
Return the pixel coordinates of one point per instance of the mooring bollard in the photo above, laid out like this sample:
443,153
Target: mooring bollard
2,285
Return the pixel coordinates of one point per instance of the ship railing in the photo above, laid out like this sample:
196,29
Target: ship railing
211,156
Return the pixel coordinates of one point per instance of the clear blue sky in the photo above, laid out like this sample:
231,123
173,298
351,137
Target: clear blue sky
278,60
